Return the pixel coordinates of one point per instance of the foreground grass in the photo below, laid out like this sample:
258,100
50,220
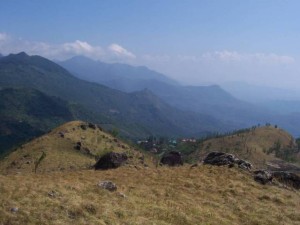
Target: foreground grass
202,195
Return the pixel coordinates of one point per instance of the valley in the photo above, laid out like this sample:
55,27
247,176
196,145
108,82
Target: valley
78,152
149,112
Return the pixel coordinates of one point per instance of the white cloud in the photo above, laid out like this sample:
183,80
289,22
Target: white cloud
113,53
210,67
78,47
118,50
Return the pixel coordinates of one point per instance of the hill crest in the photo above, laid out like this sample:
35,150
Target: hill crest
72,146
266,147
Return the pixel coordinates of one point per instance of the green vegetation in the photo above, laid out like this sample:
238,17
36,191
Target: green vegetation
27,113
260,145
71,146
137,114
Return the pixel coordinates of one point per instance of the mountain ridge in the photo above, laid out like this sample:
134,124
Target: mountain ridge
21,70
210,100
100,71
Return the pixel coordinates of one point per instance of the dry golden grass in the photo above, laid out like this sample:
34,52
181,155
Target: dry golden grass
60,151
250,145
204,195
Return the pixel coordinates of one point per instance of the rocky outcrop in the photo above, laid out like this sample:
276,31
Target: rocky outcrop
92,126
263,176
111,160
287,178
222,159
283,177
172,158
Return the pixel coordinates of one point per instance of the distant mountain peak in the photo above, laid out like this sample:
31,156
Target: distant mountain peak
80,58
106,73
20,54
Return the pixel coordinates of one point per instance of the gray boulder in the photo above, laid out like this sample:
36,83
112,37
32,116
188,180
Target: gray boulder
263,176
223,159
111,160
172,158
287,178
108,185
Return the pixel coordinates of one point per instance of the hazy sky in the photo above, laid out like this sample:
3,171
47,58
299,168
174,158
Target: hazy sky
193,41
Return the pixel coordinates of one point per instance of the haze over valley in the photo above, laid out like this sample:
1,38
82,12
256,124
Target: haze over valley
149,112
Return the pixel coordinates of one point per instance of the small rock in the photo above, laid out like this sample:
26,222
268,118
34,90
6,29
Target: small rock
52,194
78,145
121,194
244,164
14,209
92,126
83,126
61,134
108,185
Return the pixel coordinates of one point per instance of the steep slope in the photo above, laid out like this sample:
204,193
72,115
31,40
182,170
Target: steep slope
62,151
263,146
26,113
44,75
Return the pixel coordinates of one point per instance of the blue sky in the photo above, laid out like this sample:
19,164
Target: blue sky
191,40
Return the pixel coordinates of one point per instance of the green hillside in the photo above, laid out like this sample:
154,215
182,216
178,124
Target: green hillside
61,154
138,114
266,147
26,113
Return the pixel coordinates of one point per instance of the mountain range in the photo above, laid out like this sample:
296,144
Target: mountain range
210,100
148,103
136,114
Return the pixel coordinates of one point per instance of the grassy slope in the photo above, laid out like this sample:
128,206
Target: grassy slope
251,145
202,195
60,152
